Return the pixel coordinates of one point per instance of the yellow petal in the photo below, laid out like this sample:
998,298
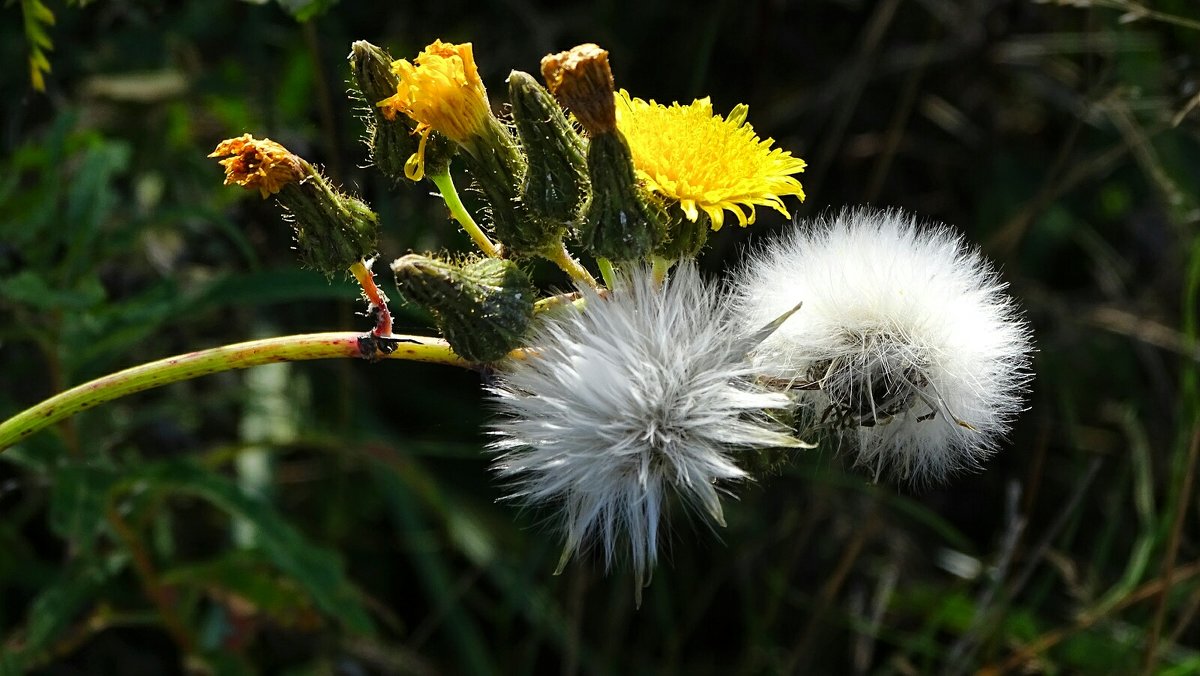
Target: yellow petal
706,161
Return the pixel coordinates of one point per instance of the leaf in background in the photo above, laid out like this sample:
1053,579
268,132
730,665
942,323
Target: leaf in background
37,18
303,10
52,612
273,286
78,501
318,570
29,288
433,565
244,575
92,198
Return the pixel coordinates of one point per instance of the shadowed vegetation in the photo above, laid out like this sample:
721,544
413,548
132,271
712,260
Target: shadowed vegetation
339,517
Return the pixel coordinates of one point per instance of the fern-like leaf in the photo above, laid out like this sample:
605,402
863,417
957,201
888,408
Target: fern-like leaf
37,18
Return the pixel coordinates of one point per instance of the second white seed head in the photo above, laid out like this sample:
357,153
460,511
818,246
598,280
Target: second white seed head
906,346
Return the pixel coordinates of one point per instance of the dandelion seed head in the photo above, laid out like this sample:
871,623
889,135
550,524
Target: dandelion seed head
644,394
906,344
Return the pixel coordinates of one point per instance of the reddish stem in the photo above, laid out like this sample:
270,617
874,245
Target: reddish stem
376,300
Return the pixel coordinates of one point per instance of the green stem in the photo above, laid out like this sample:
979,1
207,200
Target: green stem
563,259
555,302
445,186
213,360
607,272
660,267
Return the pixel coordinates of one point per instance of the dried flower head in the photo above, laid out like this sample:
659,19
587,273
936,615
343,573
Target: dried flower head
333,230
906,345
442,91
645,393
707,162
582,80
258,164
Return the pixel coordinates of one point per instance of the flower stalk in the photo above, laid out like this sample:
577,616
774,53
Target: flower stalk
565,261
445,186
300,347
376,300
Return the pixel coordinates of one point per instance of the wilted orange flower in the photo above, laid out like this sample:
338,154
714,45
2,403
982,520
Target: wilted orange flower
260,164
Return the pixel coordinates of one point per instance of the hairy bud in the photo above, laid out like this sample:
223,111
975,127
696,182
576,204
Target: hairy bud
555,186
482,308
622,222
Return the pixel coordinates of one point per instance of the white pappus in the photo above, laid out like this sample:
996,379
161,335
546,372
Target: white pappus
906,346
648,391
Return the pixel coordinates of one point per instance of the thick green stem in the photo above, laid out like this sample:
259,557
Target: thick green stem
564,260
445,186
224,358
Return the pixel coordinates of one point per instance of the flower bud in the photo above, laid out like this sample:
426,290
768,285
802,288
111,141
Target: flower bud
392,141
556,183
482,308
495,162
622,223
684,238
333,230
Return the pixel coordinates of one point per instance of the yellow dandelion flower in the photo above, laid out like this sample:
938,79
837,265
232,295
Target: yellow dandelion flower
705,161
258,164
440,90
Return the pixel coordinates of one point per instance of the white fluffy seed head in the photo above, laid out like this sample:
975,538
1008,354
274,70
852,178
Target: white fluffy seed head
906,344
646,392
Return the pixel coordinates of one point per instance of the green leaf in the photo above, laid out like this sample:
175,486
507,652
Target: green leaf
78,502
52,612
319,571
28,288
42,13
37,16
432,569
246,575
303,10
1191,665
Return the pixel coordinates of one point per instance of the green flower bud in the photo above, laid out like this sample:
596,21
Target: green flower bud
393,141
684,238
372,69
622,222
496,163
333,230
556,183
482,308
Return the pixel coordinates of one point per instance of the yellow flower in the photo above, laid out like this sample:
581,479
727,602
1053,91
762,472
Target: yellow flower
705,161
260,164
440,91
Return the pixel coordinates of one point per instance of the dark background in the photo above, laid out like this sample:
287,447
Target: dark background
338,517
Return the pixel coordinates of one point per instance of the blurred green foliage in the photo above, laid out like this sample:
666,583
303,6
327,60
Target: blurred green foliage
339,517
